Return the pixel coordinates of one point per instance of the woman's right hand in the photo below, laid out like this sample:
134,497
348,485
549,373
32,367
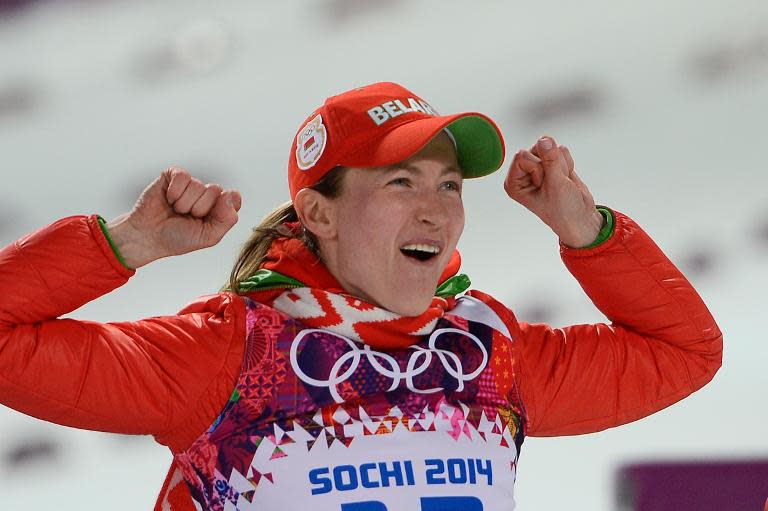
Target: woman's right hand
175,214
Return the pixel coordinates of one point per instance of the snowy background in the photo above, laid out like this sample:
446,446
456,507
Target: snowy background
663,105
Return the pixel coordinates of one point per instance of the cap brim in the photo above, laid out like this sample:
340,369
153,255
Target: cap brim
479,143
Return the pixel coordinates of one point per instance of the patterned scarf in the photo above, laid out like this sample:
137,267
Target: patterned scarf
293,280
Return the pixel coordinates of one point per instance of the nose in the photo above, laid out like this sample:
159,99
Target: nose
431,209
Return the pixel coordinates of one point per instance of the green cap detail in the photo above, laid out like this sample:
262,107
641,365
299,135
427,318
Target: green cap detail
478,145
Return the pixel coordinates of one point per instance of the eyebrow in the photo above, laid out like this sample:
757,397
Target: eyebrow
416,170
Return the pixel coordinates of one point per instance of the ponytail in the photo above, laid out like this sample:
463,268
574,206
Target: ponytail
254,251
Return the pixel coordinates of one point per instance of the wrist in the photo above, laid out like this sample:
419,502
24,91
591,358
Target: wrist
585,232
607,230
128,243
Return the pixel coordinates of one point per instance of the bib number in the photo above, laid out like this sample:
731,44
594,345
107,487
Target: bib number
427,504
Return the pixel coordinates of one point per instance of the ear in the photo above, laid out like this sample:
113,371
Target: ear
316,212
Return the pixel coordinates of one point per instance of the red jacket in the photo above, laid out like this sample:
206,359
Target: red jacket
171,376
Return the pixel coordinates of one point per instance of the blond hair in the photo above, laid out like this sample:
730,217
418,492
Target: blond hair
254,251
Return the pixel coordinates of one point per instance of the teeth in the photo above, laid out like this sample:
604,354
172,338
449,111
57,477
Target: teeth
421,247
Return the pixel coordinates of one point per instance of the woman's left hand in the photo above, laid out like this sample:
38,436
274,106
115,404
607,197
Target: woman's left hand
543,180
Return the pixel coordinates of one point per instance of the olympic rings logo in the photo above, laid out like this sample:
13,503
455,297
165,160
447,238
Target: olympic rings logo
387,365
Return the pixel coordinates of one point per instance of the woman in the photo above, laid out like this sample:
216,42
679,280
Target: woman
346,366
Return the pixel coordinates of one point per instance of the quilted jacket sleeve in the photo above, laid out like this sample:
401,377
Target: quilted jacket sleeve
662,343
167,376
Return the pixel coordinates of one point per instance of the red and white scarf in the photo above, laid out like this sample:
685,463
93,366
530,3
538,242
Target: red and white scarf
324,304
313,296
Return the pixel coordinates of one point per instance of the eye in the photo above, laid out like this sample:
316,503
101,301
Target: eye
452,186
400,181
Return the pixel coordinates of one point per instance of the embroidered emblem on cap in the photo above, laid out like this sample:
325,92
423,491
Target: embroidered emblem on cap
310,143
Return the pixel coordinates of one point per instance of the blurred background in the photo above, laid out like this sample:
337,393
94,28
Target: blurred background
663,105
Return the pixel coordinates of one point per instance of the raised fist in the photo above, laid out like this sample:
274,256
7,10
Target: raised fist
175,214
544,181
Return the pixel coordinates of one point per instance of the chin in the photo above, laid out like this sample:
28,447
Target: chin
413,307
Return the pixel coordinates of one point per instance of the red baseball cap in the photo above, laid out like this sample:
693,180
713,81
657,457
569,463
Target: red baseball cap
381,124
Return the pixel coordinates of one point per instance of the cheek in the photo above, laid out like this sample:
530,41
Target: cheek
461,218
380,211
367,225
457,220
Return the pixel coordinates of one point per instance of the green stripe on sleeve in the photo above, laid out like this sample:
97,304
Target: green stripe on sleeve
103,225
607,230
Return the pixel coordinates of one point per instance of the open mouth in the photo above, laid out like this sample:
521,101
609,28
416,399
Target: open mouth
420,251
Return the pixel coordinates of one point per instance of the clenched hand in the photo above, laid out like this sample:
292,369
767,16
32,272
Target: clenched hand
175,214
543,180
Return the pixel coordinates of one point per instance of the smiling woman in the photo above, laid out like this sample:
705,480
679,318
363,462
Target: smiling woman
347,365
416,209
